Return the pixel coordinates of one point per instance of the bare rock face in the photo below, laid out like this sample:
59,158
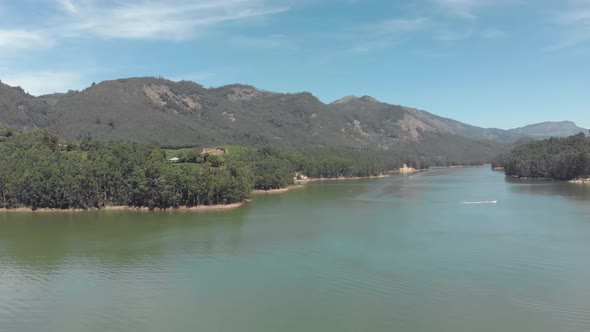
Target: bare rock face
243,93
230,116
162,95
412,126
155,92
357,127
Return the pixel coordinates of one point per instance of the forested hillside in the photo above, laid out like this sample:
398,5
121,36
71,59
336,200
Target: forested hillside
146,110
554,158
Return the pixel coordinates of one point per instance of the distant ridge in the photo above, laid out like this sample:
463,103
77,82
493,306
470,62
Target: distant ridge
548,129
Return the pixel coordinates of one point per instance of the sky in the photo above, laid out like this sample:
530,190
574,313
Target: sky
490,63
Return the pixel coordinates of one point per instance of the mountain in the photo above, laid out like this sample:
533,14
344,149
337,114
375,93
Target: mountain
414,122
20,110
549,129
185,113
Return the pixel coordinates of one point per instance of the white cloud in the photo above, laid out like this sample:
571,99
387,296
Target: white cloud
68,6
16,39
126,19
45,82
462,8
163,20
574,22
470,9
576,16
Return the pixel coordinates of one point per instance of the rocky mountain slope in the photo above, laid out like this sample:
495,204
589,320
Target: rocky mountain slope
185,113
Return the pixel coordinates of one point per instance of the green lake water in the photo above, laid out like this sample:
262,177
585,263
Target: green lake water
395,254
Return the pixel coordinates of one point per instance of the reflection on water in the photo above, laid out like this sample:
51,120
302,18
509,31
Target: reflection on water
395,254
115,237
551,188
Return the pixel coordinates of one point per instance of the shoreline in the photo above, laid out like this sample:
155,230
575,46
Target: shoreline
298,184
580,181
306,180
275,191
456,166
132,208
573,181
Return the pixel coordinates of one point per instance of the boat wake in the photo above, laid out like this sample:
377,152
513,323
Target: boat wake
480,202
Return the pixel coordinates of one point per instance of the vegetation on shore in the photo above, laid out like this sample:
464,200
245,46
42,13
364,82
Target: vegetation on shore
555,158
39,170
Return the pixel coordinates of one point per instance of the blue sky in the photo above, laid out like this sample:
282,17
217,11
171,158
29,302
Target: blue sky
491,63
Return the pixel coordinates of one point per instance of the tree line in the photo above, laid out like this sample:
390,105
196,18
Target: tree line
554,158
41,170
38,170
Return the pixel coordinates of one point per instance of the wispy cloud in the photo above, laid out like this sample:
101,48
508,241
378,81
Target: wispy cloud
471,9
45,82
125,19
163,20
575,24
462,8
68,6
16,39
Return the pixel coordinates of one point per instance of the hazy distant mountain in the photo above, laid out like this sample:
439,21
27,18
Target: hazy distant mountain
548,129
185,113
413,122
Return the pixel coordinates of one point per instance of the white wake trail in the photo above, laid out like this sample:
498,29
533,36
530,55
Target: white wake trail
480,202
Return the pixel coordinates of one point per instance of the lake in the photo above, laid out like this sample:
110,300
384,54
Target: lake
397,254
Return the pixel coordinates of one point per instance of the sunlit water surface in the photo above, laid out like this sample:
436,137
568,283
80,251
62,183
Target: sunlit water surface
396,254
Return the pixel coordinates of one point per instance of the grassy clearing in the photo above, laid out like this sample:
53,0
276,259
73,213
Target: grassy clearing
171,153
237,150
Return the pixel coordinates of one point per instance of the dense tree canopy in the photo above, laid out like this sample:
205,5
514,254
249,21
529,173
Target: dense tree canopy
39,172
334,163
554,158
5,133
273,168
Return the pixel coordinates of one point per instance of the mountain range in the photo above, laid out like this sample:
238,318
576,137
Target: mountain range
184,113
549,129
